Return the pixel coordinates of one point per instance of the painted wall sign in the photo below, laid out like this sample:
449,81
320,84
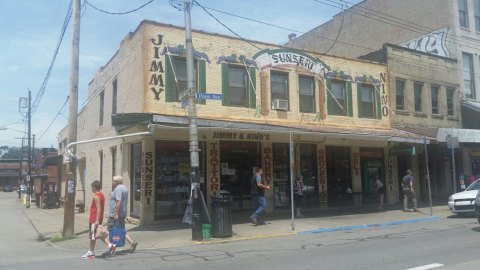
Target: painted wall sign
147,176
433,43
384,95
390,173
267,163
240,136
181,50
322,174
156,83
242,59
356,163
463,135
214,162
289,57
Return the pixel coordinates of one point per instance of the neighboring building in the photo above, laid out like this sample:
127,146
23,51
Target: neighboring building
253,100
445,28
45,177
11,172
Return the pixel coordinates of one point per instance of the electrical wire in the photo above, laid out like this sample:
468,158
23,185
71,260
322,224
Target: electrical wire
118,13
54,118
41,91
339,30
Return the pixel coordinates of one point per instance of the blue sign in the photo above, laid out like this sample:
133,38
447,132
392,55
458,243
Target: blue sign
209,96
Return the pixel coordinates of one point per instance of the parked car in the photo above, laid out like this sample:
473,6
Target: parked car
464,201
22,189
7,189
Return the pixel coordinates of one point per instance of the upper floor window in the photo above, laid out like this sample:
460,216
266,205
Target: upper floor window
279,86
463,13
435,91
400,94
307,94
176,77
468,75
450,106
417,96
338,106
476,6
238,86
102,108
114,96
367,101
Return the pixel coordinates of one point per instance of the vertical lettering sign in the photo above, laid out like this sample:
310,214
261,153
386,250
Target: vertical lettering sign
390,173
147,176
156,69
267,163
322,174
384,95
356,163
214,170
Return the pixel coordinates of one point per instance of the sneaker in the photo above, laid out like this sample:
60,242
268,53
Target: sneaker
88,255
254,220
111,249
133,247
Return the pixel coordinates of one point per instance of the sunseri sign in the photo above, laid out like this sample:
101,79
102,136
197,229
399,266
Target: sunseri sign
288,57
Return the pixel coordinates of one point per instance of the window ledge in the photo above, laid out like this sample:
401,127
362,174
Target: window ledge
438,116
420,114
453,118
402,112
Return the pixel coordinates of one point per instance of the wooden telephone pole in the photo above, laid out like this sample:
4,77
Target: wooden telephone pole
70,186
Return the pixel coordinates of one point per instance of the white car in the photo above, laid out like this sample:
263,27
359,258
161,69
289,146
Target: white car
464,202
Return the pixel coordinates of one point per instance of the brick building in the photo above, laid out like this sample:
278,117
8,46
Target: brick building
253,99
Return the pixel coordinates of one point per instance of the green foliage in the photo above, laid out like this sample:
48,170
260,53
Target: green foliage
59,238
14,152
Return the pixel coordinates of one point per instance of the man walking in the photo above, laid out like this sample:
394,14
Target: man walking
118,209
257,191
408,192
97,208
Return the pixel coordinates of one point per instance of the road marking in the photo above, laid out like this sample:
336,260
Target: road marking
425,267
365,226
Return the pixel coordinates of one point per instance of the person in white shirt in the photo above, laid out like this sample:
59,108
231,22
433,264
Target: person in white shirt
380,188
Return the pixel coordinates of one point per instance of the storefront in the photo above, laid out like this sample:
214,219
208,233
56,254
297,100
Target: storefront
339,175
372,168
281,174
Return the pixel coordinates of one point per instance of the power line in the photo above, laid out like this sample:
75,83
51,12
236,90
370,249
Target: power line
229,29
54,118
118,13
41,91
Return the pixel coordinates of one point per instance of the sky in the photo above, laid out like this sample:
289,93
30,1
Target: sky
30,31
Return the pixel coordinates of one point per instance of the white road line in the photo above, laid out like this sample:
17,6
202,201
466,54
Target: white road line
425,267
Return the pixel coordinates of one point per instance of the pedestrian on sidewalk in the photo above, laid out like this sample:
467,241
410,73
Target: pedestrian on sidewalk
408,192
298,195
257,190
118,209
97,209
380,188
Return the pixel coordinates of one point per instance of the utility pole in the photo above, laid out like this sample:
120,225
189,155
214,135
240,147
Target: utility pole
29,151
21,170
69,210
193,129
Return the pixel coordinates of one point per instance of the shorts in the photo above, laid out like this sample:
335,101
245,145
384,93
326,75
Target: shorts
91,232
119,223
381,191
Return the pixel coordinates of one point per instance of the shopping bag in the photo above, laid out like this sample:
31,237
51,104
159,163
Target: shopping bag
117,235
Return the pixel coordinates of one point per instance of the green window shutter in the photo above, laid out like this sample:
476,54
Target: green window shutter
329,96
359,99
225,85
378,105
252,87
202,80
169,80
349,96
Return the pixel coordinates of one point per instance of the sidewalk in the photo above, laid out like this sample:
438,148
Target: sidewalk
171,233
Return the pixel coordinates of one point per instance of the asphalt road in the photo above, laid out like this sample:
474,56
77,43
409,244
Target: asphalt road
450,243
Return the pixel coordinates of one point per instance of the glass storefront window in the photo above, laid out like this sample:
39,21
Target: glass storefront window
308,169
281,173
136,172
339,174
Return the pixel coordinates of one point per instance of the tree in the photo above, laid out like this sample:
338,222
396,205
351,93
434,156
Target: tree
14,152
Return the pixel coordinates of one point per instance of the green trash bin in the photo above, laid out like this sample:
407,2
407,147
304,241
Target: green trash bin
206,229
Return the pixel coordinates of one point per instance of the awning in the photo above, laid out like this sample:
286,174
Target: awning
391,135
470,114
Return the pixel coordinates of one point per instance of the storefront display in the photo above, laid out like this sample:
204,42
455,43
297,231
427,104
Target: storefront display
308,167
339,175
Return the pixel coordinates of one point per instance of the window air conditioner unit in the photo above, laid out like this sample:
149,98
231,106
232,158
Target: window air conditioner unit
280,104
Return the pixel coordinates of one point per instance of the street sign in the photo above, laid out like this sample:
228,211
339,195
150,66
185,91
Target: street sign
185,94
452,142
209,96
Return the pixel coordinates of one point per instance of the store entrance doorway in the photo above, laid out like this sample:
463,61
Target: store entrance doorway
238,162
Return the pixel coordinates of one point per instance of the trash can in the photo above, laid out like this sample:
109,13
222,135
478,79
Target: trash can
222,215
206,231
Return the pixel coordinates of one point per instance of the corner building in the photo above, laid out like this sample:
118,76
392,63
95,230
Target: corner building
252,101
